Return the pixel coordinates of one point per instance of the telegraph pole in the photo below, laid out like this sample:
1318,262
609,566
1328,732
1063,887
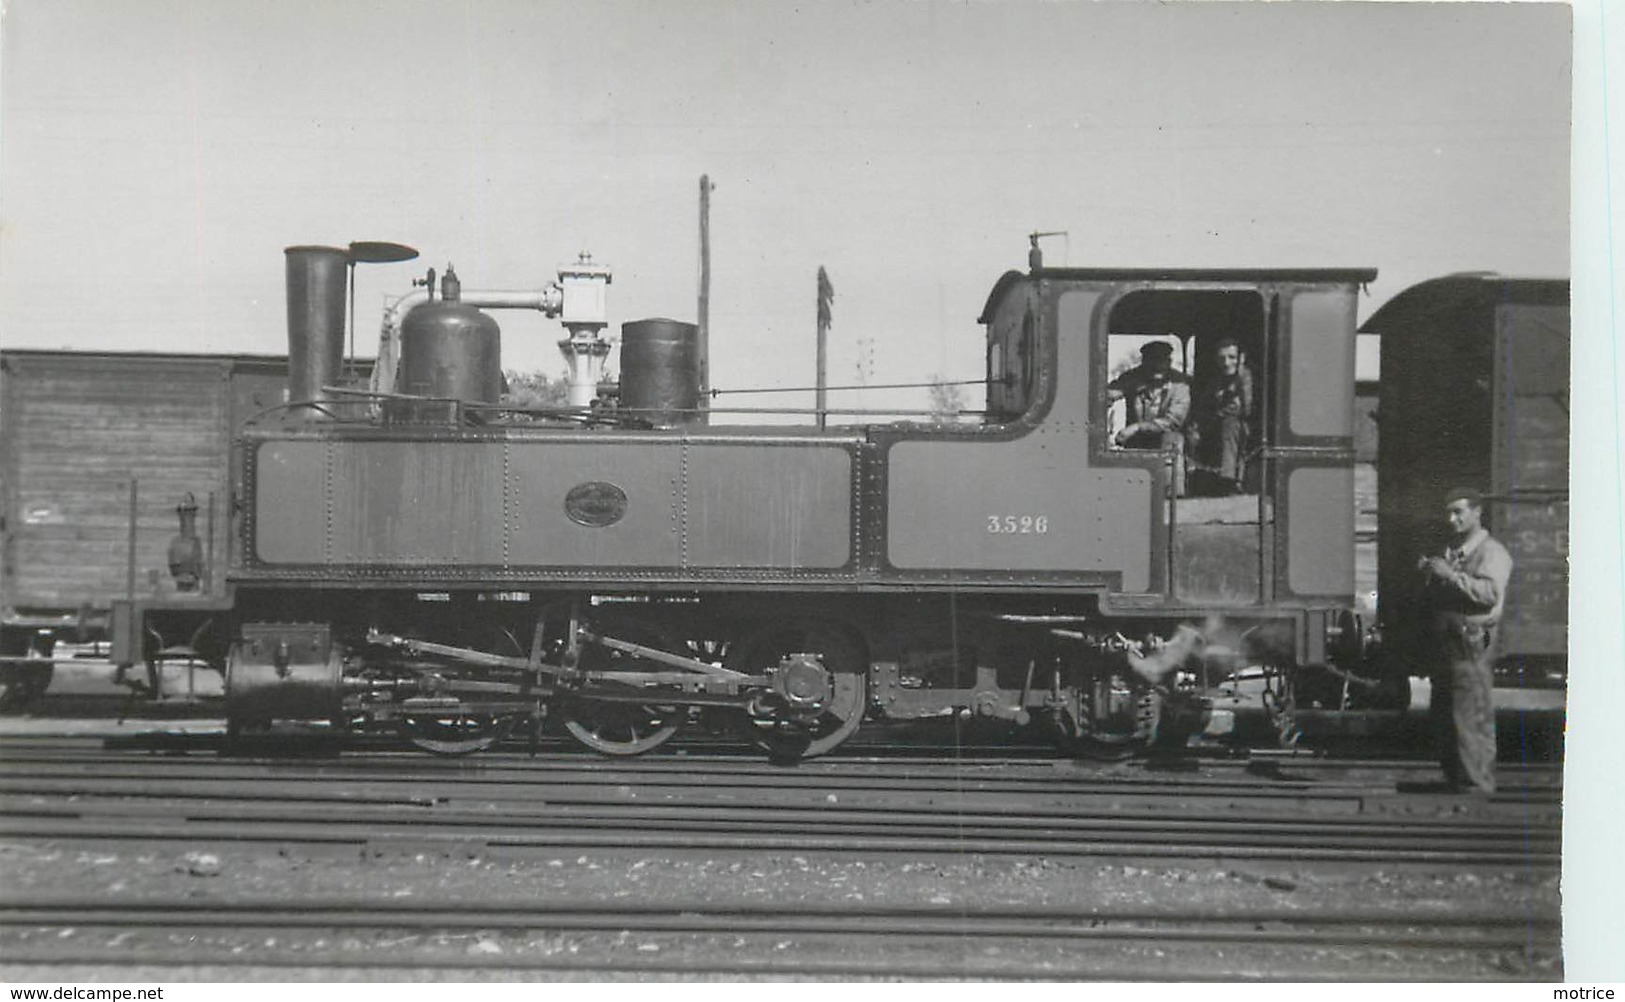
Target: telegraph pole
826,295
703,320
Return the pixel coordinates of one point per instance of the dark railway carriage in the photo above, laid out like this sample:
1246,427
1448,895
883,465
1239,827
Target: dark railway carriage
1475,390
455,575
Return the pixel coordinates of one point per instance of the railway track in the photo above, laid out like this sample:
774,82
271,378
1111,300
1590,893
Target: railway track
520,804
1060,943
1270,827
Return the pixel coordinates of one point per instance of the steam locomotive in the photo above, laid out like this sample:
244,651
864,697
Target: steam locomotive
414,554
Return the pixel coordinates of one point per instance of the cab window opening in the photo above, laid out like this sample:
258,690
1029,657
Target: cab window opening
1012,368
1183,376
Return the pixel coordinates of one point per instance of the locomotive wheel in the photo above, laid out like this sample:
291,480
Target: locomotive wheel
841,655
452,732
22,685
1098,746
455,733
615,728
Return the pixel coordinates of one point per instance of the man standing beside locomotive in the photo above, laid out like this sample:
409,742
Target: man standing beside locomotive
1464,590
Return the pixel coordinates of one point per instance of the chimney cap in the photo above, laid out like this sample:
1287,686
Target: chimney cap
380,252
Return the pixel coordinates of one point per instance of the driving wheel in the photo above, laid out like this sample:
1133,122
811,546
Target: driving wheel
841,655
450,732
622,726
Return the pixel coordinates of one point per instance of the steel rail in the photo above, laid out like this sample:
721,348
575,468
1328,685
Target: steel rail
948,775
1351,806
27,796
1532,846
734,756
371,807
795,839
1357,806
869,747
1405,930
202,781
855,782
952,968
1249,914
1393,950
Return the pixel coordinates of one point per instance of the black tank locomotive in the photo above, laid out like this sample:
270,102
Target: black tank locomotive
420,556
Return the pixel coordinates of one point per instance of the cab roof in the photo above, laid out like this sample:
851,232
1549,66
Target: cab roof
1249,276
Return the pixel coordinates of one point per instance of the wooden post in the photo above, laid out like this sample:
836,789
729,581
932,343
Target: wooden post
208,552
129,570
349,363
826,293
703,320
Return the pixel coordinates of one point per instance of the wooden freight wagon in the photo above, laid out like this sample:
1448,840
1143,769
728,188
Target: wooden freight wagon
97,452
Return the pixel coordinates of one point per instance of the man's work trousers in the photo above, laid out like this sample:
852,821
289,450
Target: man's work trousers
1463,713
1221,448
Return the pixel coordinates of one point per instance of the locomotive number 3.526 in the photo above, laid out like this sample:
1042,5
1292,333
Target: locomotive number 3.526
1019,524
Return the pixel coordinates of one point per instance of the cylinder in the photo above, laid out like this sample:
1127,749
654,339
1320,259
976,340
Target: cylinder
452,351
660,372
284,671
316,287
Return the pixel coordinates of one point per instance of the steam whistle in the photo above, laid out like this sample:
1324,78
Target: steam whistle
1035,254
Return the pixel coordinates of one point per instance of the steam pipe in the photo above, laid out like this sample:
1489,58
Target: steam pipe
548,300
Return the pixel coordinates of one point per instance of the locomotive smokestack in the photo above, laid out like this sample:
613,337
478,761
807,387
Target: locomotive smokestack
316,286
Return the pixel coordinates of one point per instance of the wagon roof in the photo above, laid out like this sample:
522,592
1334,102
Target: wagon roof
1421,304
153,356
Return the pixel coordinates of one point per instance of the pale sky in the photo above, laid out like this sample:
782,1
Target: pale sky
157,156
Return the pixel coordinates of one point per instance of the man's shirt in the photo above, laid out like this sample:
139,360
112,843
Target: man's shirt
1164,404
1476,588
